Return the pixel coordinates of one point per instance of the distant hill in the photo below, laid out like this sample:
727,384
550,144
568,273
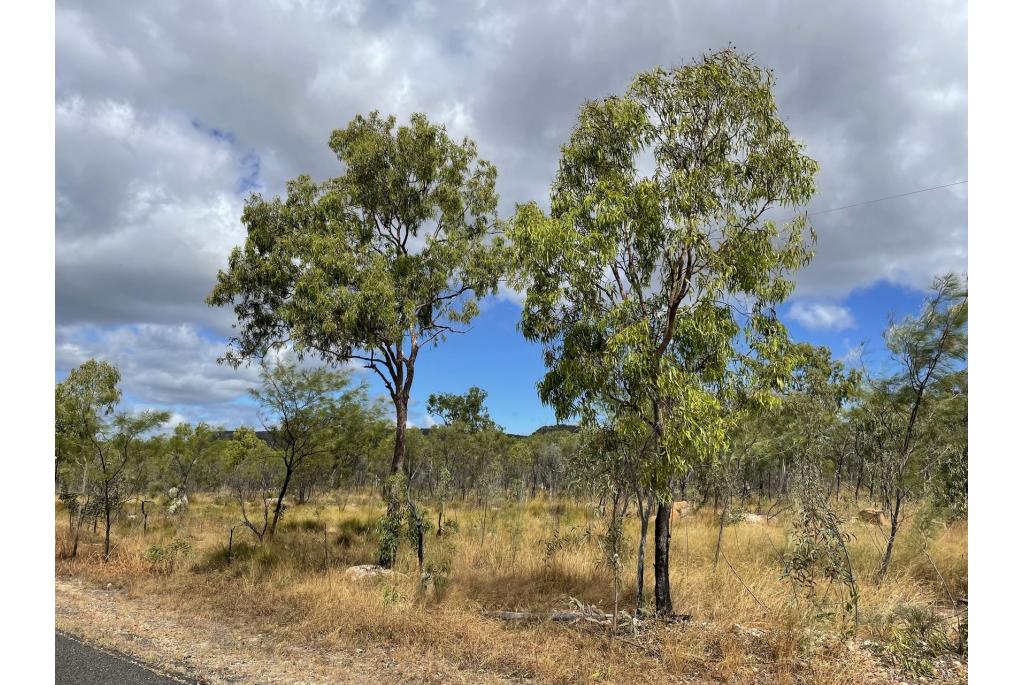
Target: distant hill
557,428
553,428
228,435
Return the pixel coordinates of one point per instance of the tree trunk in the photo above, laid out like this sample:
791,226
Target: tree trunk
662,537
839,475
280,498
721,532
893,527
78,528
389,542
645,516
860,480
106,523
401,417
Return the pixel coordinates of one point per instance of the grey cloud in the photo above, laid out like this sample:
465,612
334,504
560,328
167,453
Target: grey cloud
164,364
148,198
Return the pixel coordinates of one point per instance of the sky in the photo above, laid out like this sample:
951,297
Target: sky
168,115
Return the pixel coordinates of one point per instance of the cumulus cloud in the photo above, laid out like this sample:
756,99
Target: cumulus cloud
169,114
162,367
822,316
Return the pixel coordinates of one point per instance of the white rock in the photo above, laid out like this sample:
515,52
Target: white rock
364,571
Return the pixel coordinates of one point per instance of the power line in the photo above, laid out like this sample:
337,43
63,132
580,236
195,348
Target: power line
889,197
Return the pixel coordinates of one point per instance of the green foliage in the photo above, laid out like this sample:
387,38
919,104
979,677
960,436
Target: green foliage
390,596
353,531
84,399
395,247
216,559
439,574
374,264
465,411
640,281
390,525
914,635
163,558
192,450
820,553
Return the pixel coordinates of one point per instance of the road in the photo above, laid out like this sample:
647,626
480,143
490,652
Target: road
82,664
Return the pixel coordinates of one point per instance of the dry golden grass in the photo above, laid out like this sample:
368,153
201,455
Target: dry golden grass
295,589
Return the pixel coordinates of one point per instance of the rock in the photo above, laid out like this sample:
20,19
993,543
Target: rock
759,519
679,510
365,571
177,504
754,633
872,516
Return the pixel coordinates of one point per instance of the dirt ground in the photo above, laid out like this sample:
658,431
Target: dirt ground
222,653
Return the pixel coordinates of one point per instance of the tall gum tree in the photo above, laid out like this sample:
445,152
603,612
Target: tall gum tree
373,265
656,272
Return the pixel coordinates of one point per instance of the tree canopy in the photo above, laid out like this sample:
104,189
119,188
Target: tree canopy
656,260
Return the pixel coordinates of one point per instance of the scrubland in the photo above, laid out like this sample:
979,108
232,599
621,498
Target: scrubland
747,622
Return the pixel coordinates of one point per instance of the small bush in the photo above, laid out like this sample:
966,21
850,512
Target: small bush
303,524
217,558
915,635
351,531
162,558
438,574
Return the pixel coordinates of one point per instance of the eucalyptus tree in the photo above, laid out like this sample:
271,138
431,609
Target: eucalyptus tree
373,265
946,428
657,258
252,470
298,407
117,447
88,395
190,450
467,410
99,445
929,348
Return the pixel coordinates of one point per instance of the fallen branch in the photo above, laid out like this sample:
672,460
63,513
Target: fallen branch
558,616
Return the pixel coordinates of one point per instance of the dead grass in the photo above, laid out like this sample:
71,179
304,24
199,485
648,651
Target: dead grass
294,591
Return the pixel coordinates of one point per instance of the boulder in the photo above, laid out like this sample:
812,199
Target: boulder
367,571
759,519
873,516
177,504
679,510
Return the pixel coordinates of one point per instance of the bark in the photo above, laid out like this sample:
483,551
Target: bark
662,537
839,476
389,551
721,532
289,470
893,527
645,516
860,481
106,528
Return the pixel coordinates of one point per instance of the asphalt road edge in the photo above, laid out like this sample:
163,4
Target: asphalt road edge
117,654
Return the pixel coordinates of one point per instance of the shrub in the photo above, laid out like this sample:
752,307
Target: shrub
163,558
351,531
